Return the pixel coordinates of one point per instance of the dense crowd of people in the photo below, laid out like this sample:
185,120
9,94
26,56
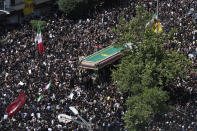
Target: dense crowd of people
65,42
182,16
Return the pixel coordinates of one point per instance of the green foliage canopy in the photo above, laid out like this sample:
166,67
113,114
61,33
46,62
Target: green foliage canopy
146,69
147,64
76,8
4,40
35,23
141,107
68,5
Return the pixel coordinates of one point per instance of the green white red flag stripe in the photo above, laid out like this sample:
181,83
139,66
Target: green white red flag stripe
38,39
152,20
40,98
47,86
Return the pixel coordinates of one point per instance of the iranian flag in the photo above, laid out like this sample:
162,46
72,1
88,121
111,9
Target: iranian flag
154,17
40,98
38,40
15,106
47,86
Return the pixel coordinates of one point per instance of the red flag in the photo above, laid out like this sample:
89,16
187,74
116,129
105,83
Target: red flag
14,107
40,48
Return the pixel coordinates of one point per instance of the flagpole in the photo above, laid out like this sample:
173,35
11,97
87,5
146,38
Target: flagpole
157,26
157,14
157,9
39,24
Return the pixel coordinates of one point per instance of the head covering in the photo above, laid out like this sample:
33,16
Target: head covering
108,98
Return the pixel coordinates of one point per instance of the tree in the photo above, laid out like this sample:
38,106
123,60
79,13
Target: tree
76,8
68,6
3,40
35,23
146,68
142,106
80,8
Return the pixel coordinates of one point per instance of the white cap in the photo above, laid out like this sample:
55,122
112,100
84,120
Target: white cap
5,117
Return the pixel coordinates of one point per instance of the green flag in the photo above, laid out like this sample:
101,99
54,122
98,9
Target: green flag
154,17
152,20
40,98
